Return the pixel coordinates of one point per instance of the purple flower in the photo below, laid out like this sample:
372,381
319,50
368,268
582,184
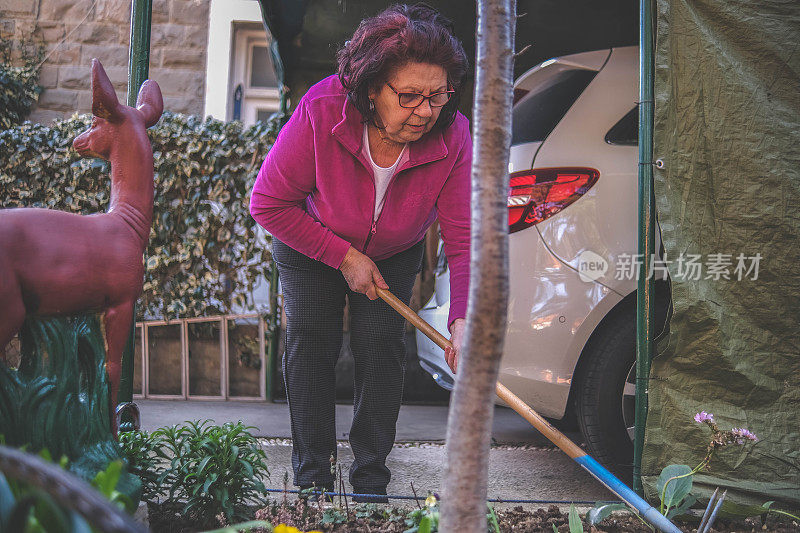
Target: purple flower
702,416
741,434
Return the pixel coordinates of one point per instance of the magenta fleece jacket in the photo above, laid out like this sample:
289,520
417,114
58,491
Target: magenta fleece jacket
316,192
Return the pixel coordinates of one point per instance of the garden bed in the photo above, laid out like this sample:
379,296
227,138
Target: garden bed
373,518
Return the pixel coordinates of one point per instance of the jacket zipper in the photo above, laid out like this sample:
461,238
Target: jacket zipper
374,226
372,231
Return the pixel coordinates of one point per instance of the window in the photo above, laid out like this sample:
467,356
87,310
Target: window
253,89
626,131
262,75
537,113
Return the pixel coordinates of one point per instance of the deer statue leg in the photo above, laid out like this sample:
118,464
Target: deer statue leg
118,326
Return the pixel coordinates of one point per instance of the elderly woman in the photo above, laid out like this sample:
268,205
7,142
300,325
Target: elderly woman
369,159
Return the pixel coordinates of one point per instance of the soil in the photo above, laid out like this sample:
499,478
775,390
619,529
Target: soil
384,519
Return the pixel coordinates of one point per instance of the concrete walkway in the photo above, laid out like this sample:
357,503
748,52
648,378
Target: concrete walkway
522,463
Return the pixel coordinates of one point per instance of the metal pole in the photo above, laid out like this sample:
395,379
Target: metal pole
138,70
139,59
646,286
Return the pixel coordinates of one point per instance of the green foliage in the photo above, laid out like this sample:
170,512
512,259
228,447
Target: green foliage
491,518
141,450
334,516
737,510
425,520
19,84
106,482
602,511
207,469
373,511
575,523
27,509
674,485
244,526
205,254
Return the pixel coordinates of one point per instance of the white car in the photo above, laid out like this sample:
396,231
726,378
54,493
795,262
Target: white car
570,340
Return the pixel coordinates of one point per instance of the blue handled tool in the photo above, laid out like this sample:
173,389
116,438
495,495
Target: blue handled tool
598,471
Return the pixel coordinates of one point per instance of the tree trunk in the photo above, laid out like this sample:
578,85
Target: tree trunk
470,420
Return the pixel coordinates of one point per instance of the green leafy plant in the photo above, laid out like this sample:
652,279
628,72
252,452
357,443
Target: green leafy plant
244,526
205,253
575,523
141,450
203,469
19,83
738,510
334,516
675,481
491,518
106,481
425,520
28,509
601,511
674,486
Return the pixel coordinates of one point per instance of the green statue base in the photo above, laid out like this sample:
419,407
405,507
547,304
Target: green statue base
58,397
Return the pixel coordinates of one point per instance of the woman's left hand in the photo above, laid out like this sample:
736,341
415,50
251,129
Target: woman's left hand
451,355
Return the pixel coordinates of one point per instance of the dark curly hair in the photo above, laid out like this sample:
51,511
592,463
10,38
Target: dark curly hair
401,34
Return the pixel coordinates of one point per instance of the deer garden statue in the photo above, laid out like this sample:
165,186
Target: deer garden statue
56,263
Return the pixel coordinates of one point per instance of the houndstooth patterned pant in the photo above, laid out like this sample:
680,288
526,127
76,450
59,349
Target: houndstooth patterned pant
314,297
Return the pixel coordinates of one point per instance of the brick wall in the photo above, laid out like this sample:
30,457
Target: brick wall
75,31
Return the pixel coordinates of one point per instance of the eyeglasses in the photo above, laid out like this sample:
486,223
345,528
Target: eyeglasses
411,100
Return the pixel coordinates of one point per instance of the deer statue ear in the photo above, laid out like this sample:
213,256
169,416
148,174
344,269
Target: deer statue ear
149,103
104,99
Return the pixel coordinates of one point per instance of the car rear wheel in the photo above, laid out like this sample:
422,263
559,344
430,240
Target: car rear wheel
605,399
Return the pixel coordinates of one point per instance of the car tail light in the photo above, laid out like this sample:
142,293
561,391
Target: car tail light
536,195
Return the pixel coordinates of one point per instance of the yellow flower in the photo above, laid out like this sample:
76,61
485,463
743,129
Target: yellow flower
283,528
430,501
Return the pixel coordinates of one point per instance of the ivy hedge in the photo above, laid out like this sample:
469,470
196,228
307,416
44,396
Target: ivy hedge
205,253
19,85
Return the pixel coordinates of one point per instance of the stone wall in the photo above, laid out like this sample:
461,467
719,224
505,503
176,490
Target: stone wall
75,31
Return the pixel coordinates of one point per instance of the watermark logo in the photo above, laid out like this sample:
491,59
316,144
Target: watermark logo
689,267
591,266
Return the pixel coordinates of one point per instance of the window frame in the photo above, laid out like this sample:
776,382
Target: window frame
254,99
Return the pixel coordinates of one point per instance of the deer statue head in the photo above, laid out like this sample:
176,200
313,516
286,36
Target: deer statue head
112,122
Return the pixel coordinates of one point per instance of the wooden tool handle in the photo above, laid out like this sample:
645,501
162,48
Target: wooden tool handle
414,318
506,395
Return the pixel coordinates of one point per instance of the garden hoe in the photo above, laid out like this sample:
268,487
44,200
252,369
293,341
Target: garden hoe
644,509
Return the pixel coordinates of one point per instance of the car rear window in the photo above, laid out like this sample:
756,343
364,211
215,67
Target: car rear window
536,114
626,131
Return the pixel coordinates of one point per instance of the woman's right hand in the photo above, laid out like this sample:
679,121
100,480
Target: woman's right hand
361,273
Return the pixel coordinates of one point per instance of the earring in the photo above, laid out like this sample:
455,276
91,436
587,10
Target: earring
371,105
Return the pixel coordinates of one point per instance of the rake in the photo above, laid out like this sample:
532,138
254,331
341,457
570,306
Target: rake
598,471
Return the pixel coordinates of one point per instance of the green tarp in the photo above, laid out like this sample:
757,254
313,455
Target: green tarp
727,130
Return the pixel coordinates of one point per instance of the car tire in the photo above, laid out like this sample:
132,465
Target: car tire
605,399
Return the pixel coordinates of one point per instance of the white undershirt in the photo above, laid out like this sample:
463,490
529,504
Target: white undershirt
383,175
